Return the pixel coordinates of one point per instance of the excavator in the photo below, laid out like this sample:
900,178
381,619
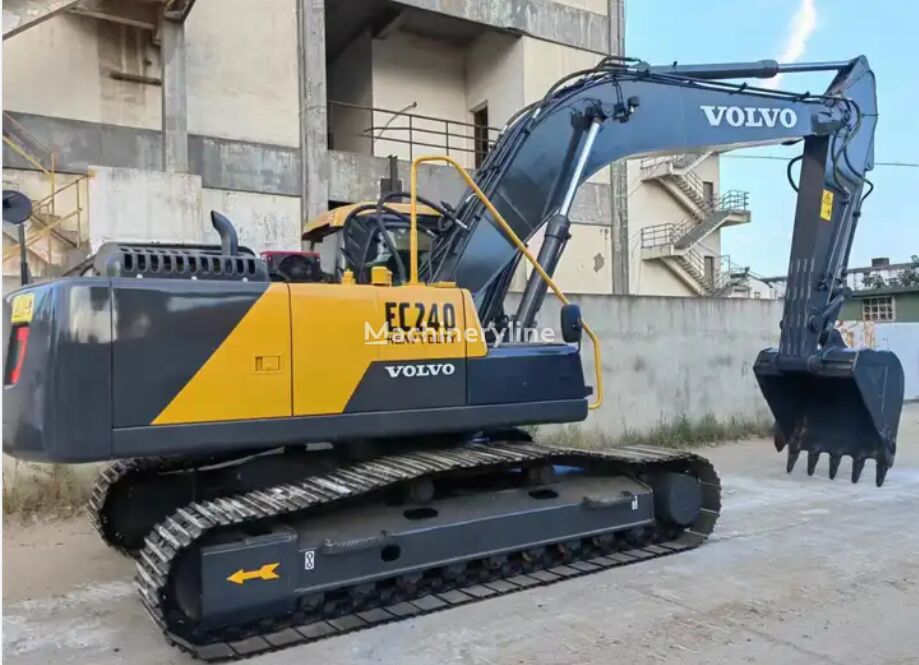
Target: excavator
298,452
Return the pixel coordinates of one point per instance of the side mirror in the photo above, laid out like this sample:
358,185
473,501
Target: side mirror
572,326
17,207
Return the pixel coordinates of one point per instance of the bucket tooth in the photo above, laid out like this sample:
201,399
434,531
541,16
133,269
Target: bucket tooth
813,457
778,438
834,465
880,473
858,463
792,458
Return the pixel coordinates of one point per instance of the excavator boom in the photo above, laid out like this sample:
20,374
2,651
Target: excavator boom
825,398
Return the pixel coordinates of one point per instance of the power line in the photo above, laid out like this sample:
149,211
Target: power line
911,165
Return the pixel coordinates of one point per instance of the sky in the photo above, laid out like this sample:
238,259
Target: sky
662,31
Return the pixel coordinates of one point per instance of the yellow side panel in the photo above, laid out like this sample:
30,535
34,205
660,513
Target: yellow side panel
330,356
338,331
475,338
248,376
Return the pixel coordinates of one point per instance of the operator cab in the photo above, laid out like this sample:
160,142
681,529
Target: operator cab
357,237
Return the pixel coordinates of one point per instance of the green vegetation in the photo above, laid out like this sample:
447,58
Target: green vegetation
681,432
30,490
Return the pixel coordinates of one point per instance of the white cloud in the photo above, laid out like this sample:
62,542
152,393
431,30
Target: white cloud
800,28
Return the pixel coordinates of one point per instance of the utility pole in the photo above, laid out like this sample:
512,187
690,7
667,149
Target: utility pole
174,95
314,152
619,181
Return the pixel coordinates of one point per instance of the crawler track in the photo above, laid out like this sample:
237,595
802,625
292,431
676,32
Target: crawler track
354,608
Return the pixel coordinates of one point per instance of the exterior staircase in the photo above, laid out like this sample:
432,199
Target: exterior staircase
677,244
56,234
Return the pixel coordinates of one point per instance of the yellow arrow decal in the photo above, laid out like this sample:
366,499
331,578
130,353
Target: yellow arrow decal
266,572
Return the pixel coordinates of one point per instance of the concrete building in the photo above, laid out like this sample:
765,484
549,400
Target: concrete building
892,304
133,119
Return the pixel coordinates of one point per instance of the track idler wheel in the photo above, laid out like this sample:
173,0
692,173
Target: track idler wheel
677,498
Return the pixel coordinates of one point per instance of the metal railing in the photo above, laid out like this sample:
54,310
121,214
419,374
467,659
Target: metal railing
692,183
663,234
723,273
671,233
734,199
49,227
722,277
353,125
678,161
34,151
695,264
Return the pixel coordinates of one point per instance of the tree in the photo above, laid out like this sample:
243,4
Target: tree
873,280
909,277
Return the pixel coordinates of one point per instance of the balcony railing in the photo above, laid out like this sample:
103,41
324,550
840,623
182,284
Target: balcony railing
364,129
663,234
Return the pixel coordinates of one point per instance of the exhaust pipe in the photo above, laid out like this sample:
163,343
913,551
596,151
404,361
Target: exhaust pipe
229,241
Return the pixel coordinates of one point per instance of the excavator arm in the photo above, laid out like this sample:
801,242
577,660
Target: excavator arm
825,398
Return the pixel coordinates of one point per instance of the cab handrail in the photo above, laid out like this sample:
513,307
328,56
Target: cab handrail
509,232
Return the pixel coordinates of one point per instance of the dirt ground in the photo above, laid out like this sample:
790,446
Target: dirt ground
800,570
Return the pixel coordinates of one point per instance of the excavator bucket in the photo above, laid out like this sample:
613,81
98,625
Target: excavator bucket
842,402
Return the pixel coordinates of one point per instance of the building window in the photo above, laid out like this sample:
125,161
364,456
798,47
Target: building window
480,129
879,308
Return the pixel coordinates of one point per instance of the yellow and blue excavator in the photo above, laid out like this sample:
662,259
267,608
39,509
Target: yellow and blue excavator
312,444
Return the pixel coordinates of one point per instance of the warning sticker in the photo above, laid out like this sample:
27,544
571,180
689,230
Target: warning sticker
826,205
22,308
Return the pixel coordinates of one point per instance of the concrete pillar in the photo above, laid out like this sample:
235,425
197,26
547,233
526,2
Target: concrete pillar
619,182
174,97
314,157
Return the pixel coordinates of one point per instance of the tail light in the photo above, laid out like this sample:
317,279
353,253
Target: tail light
17,354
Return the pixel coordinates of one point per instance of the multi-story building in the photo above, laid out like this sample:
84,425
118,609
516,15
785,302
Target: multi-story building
132,119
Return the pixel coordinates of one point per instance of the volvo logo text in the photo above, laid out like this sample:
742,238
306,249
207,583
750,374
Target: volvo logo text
418,371
749,116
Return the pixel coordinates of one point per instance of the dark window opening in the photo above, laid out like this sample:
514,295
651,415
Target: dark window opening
480,137
708,192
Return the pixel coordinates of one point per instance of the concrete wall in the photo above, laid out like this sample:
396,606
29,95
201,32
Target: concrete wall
409,68
900,338
61,68
577,23
494,64
238,87
141,206
242,70
351,81
663,357
595,6
152,206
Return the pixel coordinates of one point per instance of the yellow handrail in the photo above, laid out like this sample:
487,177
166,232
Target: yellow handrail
521,247
27,137
75,181
7,118
49,229
26,156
